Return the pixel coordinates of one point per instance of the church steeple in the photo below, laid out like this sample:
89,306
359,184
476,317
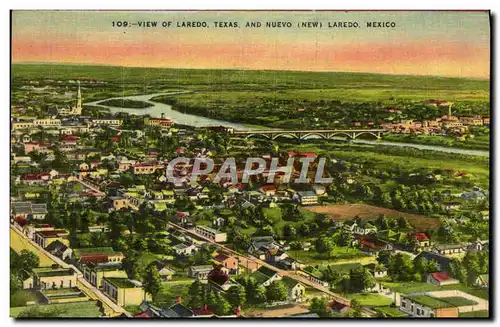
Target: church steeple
79,100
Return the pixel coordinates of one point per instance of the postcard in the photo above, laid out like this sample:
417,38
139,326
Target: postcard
250,164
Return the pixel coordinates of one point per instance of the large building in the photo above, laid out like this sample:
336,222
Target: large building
211,233
76,110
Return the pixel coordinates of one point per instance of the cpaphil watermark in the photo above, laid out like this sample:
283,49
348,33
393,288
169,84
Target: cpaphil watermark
304,167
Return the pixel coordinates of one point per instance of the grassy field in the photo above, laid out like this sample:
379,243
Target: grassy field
390,312
333,82
367,212
475,314
87,309
338,253
370,299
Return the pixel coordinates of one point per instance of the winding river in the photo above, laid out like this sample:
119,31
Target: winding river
158,108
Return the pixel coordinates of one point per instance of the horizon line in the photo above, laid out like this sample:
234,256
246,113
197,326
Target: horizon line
246,69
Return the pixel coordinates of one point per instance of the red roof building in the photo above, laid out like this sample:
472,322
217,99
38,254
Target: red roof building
441,278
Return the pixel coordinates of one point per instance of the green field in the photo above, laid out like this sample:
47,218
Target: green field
87,309
370,299
124,103
247,79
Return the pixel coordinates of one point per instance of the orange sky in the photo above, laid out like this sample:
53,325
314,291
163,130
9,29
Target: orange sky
423,43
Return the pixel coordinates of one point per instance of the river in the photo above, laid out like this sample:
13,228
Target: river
157,108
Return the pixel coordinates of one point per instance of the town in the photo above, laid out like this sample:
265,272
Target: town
98,230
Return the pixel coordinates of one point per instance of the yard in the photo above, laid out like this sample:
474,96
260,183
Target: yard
370,299
171,290
368,212
338,254
391,312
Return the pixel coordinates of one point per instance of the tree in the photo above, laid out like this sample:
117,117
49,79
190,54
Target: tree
28,260
221,306
472,264
320,307
401,268
196,295
360,279
152,280
130,266
324,245
356,307
276,291
236,296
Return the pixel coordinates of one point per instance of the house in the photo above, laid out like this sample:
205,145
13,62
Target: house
116,203
424,305
371,243
442,261
482,281
211,233
97,255
422,240
306,197
178,310
378,271
163,123
338,307
268,190
59,249
29,210
259,243
230,263
218,222
185,249
445,249
289,264
364,228
53,277
107,121
296,290
165,272
95,272
199,272
265,276
44,238
275,255
124,291
479,245
441,279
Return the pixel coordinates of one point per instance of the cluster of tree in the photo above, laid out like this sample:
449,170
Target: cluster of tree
470,267
20,264
200,295
402,268
257,294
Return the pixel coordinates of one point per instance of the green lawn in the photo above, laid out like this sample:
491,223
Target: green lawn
370,299
338,253
391,312
88,309
170,290
475,314
458,301
19,298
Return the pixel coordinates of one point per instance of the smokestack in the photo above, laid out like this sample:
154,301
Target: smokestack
162,115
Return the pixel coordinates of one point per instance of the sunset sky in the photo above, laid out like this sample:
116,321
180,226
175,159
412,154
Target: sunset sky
422,43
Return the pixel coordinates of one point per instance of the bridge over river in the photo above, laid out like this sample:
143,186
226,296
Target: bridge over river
325,134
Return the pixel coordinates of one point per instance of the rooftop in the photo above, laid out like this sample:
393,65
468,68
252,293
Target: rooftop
121,282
